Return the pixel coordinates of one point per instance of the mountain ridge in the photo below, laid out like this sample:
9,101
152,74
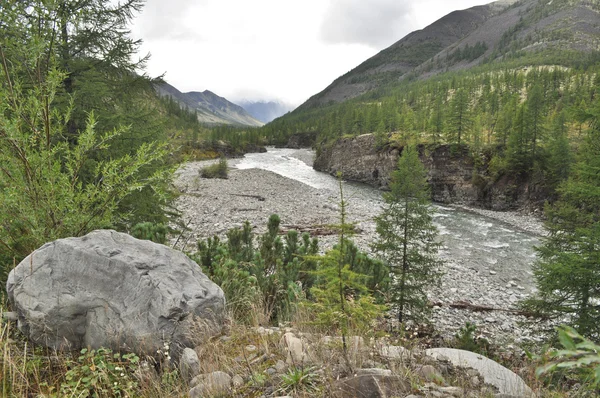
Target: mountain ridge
499,30
210,108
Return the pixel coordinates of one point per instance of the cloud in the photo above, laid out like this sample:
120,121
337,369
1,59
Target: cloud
162,19
376,23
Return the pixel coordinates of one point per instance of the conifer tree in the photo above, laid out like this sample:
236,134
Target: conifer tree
568,270
342,301
406,239
460,119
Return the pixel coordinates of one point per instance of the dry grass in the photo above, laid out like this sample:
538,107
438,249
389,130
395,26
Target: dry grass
249,352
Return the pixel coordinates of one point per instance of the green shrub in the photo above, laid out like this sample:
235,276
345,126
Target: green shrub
101,373
579,355
217,170
150,231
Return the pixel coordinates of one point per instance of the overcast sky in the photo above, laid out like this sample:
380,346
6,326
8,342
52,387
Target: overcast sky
274,49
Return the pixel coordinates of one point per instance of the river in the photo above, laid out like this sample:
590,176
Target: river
488,261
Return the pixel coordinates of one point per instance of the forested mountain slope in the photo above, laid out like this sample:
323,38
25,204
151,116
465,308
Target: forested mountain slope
463,39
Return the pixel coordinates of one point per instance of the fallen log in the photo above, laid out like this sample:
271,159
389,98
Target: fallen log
315,230
258,197
465,305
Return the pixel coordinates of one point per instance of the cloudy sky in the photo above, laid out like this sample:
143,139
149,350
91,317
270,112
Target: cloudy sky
274,49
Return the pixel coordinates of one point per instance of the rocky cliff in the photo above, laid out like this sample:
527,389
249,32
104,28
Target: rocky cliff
453,174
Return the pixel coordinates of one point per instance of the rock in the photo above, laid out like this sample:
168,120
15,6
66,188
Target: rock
371,386
280,366
10,316
295,348
237,381
373,371
454,391
506,381
108,289
394,352
189,364
215,383
429,373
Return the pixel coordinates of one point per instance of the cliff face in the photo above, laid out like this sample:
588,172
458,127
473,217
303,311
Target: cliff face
453,175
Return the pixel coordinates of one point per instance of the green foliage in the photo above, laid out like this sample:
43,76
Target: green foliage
65,169
465,339
150,231
217,170
101,373
406,239
274,276
341,298
299,380
578,355
566,273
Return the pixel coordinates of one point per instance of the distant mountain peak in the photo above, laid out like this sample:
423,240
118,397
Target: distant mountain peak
211,108
266,110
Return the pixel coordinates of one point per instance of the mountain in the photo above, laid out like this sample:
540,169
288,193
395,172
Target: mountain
266,111
210,108
467,38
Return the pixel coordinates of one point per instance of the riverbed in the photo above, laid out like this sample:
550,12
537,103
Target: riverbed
488,255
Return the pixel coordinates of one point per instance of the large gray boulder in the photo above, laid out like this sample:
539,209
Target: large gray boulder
506,381
108,289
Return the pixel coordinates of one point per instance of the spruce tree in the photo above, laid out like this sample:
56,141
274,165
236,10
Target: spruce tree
406,239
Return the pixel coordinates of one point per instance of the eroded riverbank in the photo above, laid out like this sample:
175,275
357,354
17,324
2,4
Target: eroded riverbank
488,261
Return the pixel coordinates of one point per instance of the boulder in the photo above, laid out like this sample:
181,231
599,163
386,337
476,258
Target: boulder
296,350
506,381
372,386
213,384
108,289
189,364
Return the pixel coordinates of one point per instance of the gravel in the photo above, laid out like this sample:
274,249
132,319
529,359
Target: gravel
212,206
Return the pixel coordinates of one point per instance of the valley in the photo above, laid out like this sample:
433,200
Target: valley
488,257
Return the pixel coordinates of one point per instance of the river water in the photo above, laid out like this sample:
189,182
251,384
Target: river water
483,244
488,260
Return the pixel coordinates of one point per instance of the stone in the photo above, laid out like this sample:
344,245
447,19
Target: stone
280,366
454,391
394,352
237,381
296,353
215,383
506,381
429,373
108,289
371,386
373,371
189,364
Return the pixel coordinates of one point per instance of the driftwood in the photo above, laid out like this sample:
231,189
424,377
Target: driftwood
314,230
259,198
465,305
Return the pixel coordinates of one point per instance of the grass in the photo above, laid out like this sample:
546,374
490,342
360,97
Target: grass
217,170
27,371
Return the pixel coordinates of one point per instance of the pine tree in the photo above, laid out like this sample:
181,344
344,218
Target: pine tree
406,239
568,270
342,300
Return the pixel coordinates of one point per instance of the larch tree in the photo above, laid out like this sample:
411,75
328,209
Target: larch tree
406,239
567,272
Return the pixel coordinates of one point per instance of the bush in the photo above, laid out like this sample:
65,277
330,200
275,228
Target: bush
217,170
150,231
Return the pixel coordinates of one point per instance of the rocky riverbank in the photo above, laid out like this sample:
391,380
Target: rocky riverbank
212,206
